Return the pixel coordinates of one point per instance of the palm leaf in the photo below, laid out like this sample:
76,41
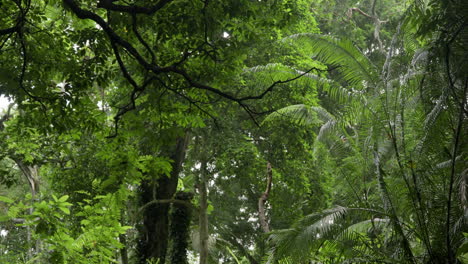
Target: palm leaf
264,75
301,114
311,232
352,64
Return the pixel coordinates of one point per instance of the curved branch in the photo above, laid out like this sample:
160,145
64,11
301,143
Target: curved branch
140,38
378,23
114,37
115,40
109,5
165,201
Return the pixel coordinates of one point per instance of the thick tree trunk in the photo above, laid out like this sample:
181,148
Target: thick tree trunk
154,234
180,228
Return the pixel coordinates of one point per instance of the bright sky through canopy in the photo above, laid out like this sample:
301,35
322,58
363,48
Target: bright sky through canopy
3,102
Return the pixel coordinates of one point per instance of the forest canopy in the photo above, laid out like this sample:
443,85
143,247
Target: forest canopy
234,131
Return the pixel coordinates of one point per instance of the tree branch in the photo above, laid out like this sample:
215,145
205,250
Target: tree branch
7,31
140,38
115,40
165,201
378,23
85,14
109,5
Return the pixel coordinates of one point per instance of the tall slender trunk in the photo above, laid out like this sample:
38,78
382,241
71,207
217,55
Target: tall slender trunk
262,200
203,216
456,143
123,241
31,172
123,251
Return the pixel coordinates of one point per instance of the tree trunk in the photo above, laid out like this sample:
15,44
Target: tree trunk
262,200
154,233
180,228
123,251
203,216
123,241
31,172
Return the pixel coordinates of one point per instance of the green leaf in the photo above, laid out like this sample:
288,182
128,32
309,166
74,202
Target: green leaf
65,210
5,199
63,198
209,208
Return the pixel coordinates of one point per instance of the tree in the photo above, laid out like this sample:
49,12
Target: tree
85,76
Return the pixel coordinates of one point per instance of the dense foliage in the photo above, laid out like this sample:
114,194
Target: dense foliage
240,131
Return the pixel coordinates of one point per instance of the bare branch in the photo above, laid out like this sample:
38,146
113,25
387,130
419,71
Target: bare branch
378,23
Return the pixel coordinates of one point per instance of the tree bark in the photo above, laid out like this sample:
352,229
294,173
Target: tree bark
154,233
123,241
203,216
180,229
262,200
31,172
123,251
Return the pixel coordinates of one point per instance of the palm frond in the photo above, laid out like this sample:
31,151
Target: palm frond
328,128
353,65
310,233
434,114
263,75
300,114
